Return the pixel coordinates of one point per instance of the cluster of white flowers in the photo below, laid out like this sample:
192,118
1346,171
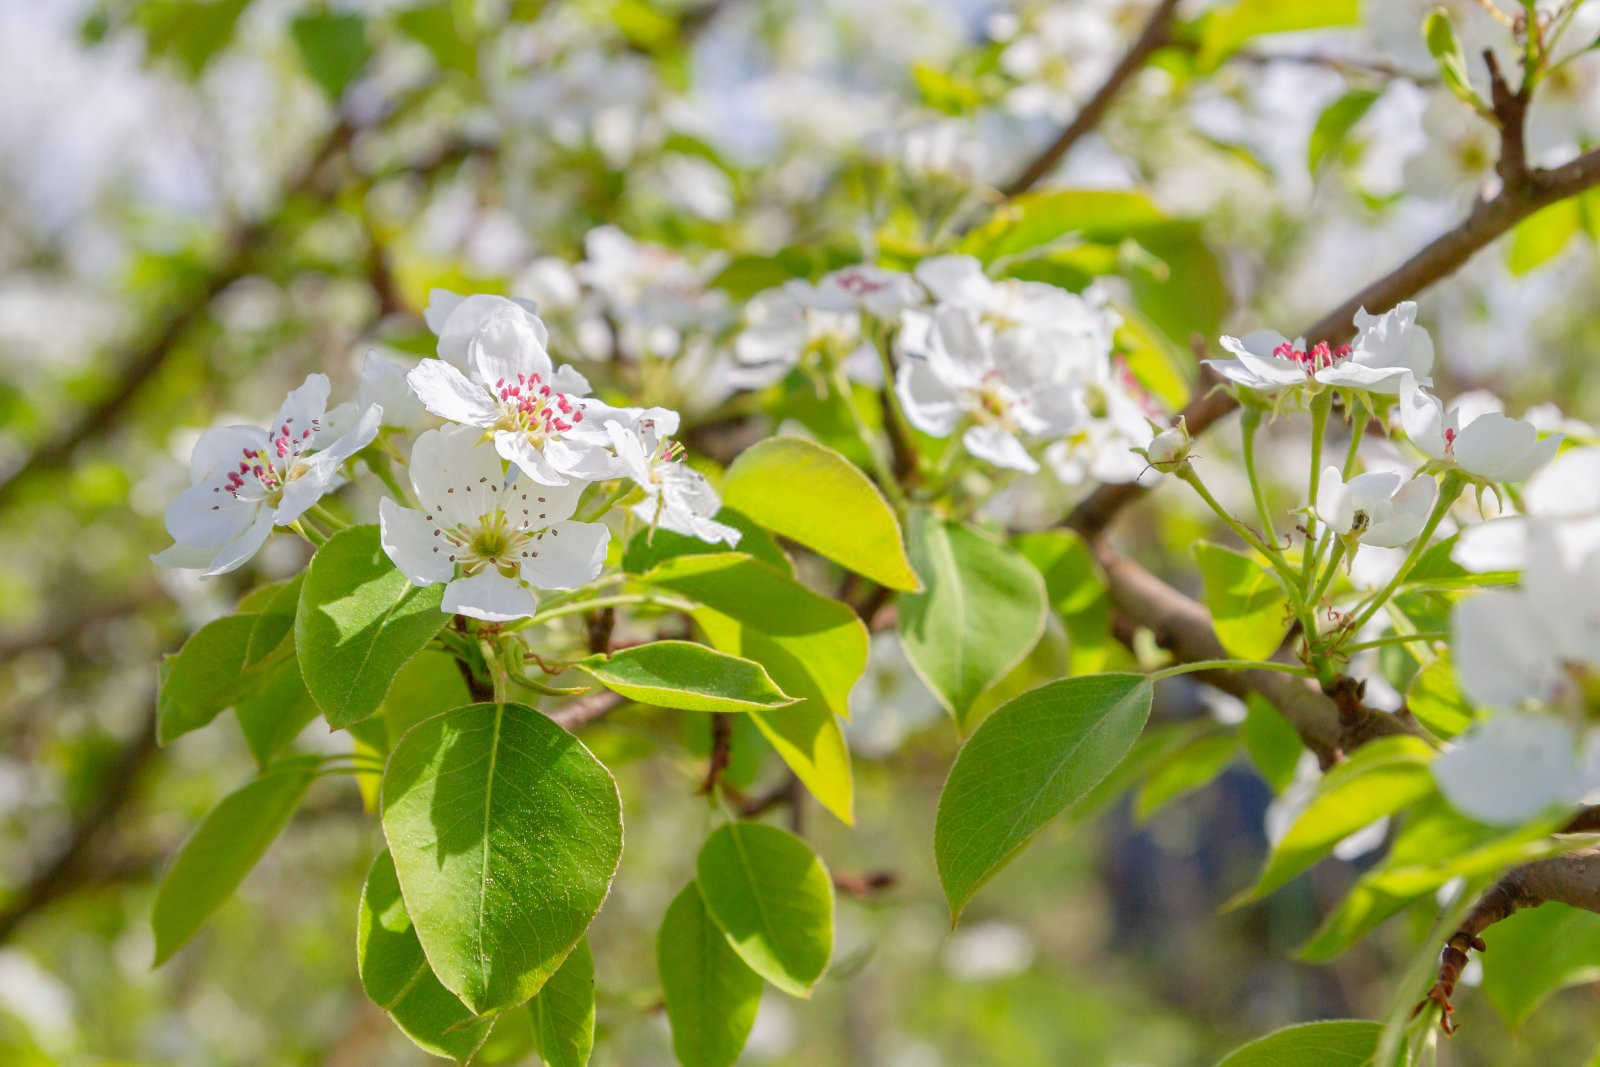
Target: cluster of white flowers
495,488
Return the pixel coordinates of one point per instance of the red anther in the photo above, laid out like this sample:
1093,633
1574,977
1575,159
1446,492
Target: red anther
544,390
577,416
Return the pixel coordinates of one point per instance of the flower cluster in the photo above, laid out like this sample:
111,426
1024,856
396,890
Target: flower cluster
495,487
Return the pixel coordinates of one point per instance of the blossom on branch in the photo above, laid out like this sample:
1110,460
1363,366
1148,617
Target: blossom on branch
1386,350
1376,508
785,323
1491,447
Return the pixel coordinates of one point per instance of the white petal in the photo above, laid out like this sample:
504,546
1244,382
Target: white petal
517,448
408,539
530,505
469,314
490,596
1497,545
954,279
998,447
305,404
1501,652
1333,501
1422,416
235,553
449,394
208,515
1408,514
383,382
1511,768
930,405
567,379
357,437
221,448
185,557
1570,485
566,555
1501,448
505,345
457,475
441,302
319,475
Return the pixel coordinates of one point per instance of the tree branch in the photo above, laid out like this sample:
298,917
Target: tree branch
1153,36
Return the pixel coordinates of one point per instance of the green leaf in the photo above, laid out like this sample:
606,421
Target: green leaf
227,844
1189,768
1247,603
395,973
1440,36
812,495
814,648
1273,745
1077,591
1435,698
711,993
683,674
276,711
648,549
190,32
1382,777
1541,236
429,684
505,833
333,47
1334,124
773,899
1329,1043
205,676
1225,29
358,623
1024,765
1536,952
439,28
982,610
274,608
563,1011
1034,219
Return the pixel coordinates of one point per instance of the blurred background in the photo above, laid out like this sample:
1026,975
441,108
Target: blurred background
203,200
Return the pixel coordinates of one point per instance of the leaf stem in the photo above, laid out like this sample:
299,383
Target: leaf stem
617,600
1248,425
1398,639
1231,665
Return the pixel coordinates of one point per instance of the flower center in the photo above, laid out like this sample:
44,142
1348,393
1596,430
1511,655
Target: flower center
991,405
1449,442
493,539
263,472
858,284
528,405
1319,358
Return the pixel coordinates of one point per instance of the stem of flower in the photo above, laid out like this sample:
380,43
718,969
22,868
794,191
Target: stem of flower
1398,639
580,606
314,537
1248,425
1448,490
1320,406
1249,536
328,518
378,463
497,669
1358,427
1327,576
1230,665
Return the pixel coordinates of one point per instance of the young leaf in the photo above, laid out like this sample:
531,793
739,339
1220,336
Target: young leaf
563,1011
683,674
275,713
333,47
205,676
359,621
1541,236
395,973
1026,764
1536,952
1446,51
981,611
1382,777
1335,123
1246,601
1273,745
711,993
1225,28
1329,1043
1435,698
1076,591
773,899
505,833
811,494
227,844
1189,768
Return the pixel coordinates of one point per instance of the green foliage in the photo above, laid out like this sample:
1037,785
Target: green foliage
1224,29
1273,745
1077,592
773,900
1026,764
333,46
1191,767
1334,124
222,850
1379,779
563,1011
1536,952
1247,601
188,32
1541,236
648,548
1435,698
1440,36
811,494
205,676
505,833
359,621
445,29
711,993
682,674
275,712
1329,1043
395,973
981,611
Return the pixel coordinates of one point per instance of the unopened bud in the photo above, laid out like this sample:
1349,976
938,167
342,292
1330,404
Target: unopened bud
1169,449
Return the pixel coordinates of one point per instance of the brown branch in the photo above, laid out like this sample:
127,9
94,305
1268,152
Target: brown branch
1573,879
1153,36
587,709
721,743
866,885
65,870
1341,64
778,795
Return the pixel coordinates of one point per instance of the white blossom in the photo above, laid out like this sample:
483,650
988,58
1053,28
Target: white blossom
1491,446
783,324
457,319
1516,766
1010,302
652,294
1376,508
245,479
1386,350
677,497
383,382
494,540
1111,425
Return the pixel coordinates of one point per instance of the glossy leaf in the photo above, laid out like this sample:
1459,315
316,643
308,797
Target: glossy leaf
1026,764
711,993
359,622
223,848
1329,1043
563,1011
1247,603
1227,27
204,677
773,899
1536,952
683,674
981,611
505,833
1077,592
1272,743
395,973
812,495
1435,698
275,712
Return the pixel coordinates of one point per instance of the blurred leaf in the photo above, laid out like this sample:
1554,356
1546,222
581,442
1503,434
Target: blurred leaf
1224,29
982,610
1077,591
1189,768
1380,778
1246,601
683,674
1334,124
506,833
711,993
1154,358
945,90
1440,36
358,623
1541,236
772,897
810,494
189,32
222,850
439,28
1536,952
1034,219
1435,698
395,973
333,46
1273,745
1329,1043
563,1011
1024,765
